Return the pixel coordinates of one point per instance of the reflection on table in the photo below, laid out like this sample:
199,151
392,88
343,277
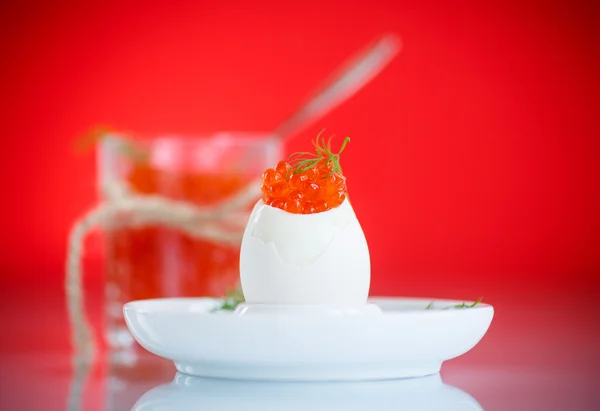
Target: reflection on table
415,394
142,387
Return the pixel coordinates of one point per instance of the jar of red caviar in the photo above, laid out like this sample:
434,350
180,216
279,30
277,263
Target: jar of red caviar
147,258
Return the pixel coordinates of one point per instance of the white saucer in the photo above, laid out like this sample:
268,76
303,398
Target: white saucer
187,393
406,340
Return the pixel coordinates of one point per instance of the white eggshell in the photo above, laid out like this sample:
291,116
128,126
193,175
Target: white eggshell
320,258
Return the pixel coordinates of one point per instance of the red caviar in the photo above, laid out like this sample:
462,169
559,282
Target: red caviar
306,185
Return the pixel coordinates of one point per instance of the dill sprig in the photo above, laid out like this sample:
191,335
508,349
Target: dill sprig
91,138
124,146
303,161
462,305
232,299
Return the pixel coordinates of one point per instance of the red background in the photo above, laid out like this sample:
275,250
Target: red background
474,161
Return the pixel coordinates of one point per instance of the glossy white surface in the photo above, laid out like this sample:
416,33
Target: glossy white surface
193,393
406,341
317,311
320,258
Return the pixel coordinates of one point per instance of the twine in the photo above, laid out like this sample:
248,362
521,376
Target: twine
136,210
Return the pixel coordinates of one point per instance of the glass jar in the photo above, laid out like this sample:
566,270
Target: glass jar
165,244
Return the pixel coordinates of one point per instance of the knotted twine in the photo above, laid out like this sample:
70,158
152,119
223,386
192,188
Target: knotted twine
124,208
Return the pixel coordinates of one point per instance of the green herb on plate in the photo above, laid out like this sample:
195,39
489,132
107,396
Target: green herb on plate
462,305
231,300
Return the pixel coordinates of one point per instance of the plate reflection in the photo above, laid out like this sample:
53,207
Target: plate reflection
193,393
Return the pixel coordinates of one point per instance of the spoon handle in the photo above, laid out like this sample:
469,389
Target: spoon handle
342,84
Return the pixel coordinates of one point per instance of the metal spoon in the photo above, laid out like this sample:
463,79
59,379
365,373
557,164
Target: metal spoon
353,75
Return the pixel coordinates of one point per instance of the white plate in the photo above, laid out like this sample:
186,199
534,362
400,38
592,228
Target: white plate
188,393
407,340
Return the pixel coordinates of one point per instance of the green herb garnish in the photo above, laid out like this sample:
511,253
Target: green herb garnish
127,147
232,299
462,305
90,139
304,160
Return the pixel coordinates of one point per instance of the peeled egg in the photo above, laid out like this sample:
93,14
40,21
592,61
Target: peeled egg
320,258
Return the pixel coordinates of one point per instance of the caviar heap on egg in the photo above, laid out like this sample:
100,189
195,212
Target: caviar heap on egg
308,182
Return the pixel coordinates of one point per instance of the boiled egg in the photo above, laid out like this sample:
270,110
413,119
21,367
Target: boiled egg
313,259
